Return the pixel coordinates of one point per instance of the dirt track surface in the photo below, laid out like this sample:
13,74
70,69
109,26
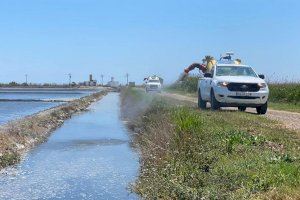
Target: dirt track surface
289,120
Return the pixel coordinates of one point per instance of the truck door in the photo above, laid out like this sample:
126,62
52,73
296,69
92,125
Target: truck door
206,87
209,83
204,84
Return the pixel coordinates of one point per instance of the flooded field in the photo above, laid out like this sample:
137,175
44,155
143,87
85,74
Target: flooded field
17,103
14,110
43,94
89,157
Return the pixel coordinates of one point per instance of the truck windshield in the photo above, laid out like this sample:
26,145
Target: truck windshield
235,71
153,81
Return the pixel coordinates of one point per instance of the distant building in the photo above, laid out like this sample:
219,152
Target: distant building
131,84
113,83
90,82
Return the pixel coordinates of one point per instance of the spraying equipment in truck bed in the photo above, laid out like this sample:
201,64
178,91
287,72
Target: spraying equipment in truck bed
207,64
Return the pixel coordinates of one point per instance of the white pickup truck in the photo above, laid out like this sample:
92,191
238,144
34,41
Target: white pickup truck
233,85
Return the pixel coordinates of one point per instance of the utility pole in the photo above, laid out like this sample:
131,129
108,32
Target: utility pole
70,79
127,75
26,76
102,79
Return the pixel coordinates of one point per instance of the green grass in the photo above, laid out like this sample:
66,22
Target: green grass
285,93
285,96
188,154
285,106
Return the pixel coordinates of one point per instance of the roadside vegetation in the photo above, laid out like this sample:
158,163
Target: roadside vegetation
283,96
187,154
187,86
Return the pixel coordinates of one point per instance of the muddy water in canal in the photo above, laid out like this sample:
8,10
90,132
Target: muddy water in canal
89,157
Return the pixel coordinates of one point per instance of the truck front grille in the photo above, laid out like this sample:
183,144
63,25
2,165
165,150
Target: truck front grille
242,97
153,86
243,87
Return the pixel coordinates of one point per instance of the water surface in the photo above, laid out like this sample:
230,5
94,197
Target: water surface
43,94
17,103
14,110
87,158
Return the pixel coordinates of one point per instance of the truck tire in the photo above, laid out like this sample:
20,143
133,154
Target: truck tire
261,110
201,102
214,104
242,108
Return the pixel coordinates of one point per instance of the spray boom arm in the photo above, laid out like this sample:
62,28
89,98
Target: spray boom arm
201,67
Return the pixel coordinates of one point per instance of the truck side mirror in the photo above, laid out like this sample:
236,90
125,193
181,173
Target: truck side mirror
261,76
208,75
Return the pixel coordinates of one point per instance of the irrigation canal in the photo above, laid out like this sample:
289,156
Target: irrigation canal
89,157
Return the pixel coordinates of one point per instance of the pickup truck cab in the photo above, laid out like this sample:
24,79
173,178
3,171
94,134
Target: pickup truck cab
233,85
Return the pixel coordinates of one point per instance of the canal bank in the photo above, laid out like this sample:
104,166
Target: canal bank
18,136
88,157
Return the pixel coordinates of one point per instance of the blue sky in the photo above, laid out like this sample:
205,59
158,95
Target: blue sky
47,39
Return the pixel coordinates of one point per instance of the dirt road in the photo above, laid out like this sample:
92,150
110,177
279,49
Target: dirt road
289,120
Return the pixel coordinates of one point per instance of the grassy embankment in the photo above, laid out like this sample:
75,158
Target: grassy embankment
19,136
283,96
187,154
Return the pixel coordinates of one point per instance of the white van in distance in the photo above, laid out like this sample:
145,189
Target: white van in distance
153,83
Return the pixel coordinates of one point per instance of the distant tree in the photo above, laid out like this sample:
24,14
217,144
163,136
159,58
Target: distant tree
13,83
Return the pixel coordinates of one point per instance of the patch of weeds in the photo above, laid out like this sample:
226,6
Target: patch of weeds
8,159
234,139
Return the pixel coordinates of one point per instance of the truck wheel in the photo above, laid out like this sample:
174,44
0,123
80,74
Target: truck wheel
242,108
261,110
215,105
201,103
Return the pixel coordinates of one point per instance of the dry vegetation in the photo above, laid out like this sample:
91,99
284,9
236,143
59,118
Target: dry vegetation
18,136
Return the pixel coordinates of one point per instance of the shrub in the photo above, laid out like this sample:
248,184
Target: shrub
189,84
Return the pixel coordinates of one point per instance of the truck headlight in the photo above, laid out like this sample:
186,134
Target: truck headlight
262,85
222,84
